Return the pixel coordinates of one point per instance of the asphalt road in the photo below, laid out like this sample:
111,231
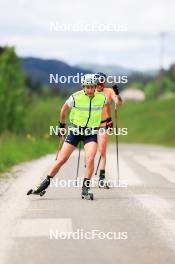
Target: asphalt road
140,214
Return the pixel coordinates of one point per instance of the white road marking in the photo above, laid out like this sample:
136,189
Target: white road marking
158,163
14,201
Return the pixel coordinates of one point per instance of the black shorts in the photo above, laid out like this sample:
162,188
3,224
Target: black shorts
75,139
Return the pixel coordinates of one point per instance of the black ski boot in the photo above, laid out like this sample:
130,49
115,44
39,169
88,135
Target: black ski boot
86,191
40,190
102,180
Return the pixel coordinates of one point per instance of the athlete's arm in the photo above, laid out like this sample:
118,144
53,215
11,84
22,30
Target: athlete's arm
108,111
116,98
68,104
63,113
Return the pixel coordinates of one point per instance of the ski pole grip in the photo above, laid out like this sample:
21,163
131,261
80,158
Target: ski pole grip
62,125
61,130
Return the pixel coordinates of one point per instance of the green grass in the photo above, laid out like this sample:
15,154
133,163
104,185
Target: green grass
16,149
42,114
35,140
149,122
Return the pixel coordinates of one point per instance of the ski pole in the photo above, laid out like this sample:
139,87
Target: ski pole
78,163
98,165
116,90
61,141
117,152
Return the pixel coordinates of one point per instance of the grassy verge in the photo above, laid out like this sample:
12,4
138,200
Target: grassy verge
149,122
35,140
16,149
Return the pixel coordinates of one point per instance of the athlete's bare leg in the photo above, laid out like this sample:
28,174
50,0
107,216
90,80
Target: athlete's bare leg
63,156
90,152
102,146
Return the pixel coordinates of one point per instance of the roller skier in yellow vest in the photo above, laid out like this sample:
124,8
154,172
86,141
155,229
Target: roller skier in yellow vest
85,116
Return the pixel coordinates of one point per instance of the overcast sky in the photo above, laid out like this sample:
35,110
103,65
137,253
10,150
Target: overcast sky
26,24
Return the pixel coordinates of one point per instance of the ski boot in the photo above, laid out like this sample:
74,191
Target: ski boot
87,193
40,190
102,183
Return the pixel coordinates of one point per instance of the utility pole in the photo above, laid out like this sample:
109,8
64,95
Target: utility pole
162,50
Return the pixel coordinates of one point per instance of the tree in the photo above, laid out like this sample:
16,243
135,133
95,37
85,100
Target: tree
171,72
12,92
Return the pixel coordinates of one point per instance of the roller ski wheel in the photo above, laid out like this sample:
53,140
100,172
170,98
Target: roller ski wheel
31,191
88,197
42,193
87,194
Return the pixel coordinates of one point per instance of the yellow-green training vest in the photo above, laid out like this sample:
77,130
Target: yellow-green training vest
86,111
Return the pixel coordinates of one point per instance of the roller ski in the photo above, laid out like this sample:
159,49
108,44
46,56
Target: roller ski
40,190
87,194
33,191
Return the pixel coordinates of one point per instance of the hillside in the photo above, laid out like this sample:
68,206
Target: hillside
39,69
108,69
